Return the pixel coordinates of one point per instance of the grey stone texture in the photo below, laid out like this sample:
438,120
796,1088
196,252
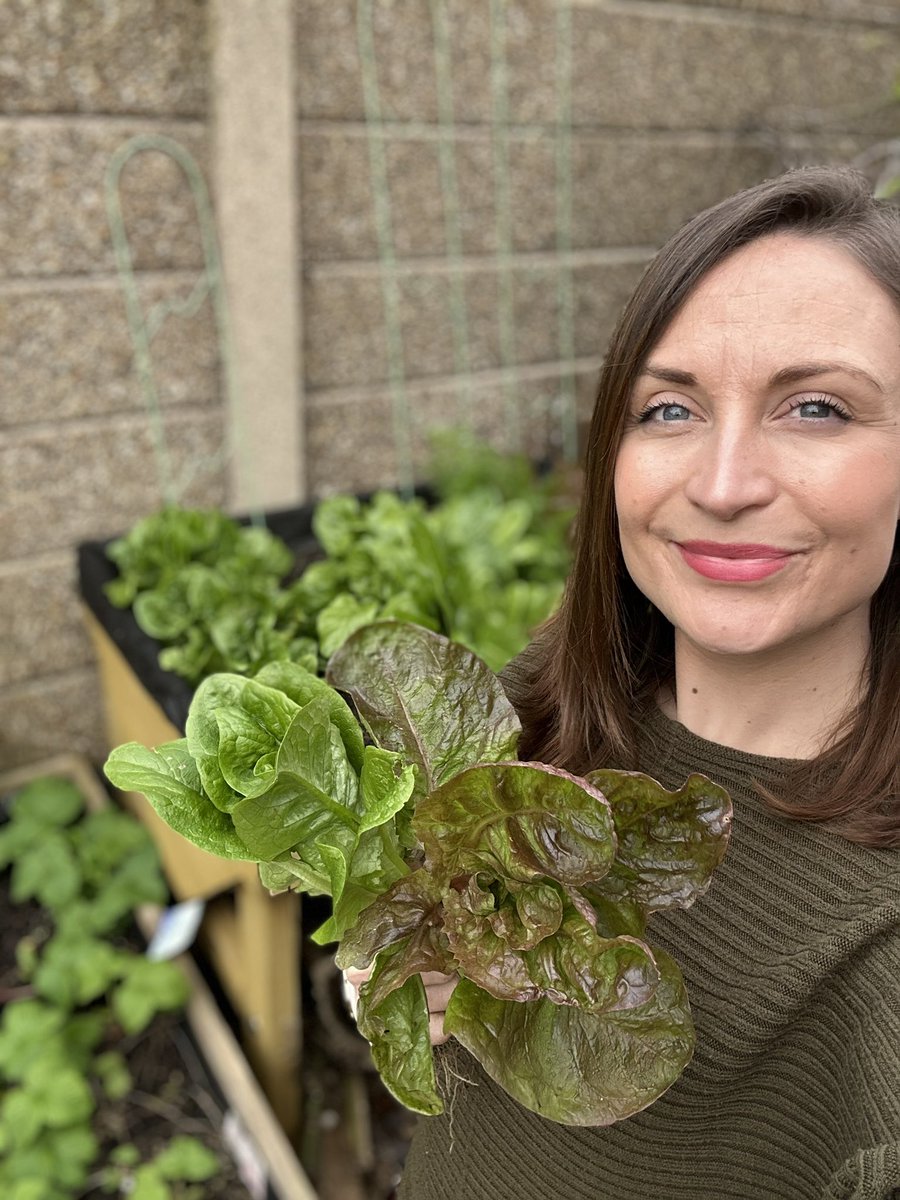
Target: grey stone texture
110,56
875,12
53,218
52,714
719,74
41,621
77,454
650,66
87,479
67,351
517,412
627,188
345,326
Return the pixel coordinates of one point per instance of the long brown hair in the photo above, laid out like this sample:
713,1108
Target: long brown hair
603,657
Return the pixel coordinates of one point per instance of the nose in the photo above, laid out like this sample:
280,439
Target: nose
733,471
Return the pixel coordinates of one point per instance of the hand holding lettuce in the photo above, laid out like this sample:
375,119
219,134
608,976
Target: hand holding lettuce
441,852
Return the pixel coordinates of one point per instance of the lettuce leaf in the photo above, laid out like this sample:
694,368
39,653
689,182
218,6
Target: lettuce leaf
314,796
518,821
168,777
669,843
427,698
571,964
397,1027
573,1066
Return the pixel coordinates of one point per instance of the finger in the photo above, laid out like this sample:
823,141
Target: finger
351,995
438,977
352,980
439,995
357,977
436,1029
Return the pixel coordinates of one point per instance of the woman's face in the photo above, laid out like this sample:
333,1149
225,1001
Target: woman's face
758,481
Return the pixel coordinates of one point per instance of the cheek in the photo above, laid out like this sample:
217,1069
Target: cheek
627,500
851,496
860,507
622,476
640,492
858,515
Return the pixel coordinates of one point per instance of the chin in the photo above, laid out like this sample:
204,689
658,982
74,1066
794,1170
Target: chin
735,643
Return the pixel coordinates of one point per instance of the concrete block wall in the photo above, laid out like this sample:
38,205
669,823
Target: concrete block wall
76,444
674,106
675,103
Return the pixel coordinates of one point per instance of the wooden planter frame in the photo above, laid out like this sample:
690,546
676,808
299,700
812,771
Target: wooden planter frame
251,936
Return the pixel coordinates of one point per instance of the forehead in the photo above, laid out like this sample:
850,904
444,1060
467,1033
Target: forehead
786,293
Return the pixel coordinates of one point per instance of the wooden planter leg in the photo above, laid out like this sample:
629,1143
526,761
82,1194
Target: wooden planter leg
268,929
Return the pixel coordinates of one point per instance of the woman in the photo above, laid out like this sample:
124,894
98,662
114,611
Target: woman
733,609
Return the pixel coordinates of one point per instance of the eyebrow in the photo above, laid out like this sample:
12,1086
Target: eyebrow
809,370
671,375
794,374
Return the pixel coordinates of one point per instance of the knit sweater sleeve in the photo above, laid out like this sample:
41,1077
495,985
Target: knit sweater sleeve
870,1174
868,1088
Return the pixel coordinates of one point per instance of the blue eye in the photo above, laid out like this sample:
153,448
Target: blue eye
666,412
815,408
821,408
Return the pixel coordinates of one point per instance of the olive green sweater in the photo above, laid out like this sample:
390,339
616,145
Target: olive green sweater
792,964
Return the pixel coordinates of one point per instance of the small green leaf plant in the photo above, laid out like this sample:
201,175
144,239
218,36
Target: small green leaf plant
210,590
184,1160
441,852
57,1055
484,565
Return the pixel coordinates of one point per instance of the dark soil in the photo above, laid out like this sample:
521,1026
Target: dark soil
172,1094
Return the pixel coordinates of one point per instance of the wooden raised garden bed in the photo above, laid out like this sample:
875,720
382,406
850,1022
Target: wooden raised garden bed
251,937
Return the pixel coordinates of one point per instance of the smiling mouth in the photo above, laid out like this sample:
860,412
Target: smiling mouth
739,562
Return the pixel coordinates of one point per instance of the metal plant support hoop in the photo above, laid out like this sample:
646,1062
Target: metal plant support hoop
145,323
563,405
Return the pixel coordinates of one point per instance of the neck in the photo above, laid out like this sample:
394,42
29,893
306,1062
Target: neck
784,704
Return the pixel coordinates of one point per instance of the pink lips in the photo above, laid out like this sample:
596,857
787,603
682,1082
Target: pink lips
735,562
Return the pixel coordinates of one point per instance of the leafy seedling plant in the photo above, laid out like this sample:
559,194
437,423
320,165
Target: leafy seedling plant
57,1055
483,565
210,590
441,852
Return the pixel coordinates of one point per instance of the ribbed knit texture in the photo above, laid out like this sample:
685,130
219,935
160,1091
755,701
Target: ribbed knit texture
792,964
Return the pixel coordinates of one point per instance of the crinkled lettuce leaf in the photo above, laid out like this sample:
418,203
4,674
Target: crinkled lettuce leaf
168,777
410,904
669,843
571,964
519,821
423,696
577,1067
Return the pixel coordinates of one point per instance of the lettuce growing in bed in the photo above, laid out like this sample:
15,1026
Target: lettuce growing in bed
442,852
483,565
210,590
